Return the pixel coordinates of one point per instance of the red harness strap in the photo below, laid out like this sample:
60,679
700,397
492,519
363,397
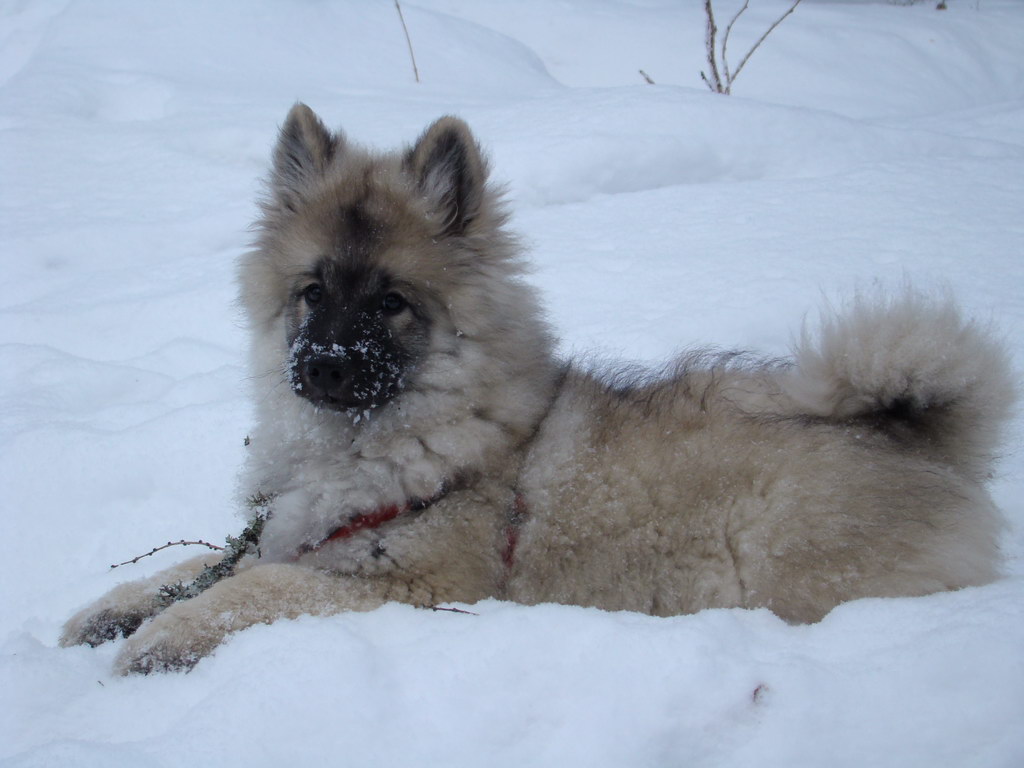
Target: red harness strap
364,522
517,515
367,521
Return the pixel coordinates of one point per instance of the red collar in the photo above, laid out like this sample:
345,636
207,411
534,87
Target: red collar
367,521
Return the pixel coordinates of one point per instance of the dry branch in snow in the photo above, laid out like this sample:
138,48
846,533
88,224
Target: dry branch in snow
720,79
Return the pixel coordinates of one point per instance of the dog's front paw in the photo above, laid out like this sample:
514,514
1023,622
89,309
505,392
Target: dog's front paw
94,626
172,642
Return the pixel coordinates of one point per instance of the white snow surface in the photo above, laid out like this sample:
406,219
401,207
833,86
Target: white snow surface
865,142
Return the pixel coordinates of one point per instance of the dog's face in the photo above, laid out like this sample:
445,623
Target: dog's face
354,333
360,256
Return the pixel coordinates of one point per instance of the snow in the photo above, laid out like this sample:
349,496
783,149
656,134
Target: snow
865,142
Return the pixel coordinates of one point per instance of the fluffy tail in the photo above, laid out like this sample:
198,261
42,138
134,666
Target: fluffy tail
914,368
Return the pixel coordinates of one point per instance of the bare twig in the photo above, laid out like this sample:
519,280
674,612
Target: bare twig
725,42
408,41
248,542
710,33
716,82
154,550
436,608
761,39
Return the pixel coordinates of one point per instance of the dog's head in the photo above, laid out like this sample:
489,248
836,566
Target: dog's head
361,253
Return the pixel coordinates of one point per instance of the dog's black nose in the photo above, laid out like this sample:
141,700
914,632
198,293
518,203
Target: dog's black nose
326,378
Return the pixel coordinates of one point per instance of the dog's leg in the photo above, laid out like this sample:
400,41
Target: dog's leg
123,609
187,631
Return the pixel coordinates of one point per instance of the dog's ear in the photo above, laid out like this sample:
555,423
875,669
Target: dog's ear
448,167
304,151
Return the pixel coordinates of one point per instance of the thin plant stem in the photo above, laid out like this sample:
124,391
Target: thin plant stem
408,41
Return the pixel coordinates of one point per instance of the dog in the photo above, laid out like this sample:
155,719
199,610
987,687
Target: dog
418,441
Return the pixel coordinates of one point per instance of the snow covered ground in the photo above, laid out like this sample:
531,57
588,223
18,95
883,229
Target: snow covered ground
865,141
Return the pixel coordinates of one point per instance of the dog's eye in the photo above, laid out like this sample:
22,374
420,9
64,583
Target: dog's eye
313,293
392,303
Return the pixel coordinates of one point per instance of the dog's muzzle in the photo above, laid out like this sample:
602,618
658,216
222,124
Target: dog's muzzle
356,381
